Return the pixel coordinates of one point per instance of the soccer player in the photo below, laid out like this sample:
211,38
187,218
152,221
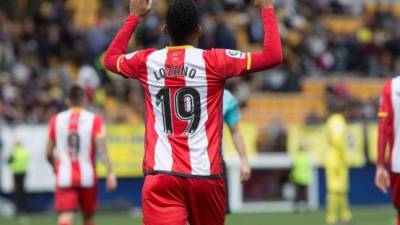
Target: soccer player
388,173
336,168
184,88
76,135
232,118
301,175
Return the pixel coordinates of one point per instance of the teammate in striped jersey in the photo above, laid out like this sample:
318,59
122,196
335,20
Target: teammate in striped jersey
388,171
76,135
184,87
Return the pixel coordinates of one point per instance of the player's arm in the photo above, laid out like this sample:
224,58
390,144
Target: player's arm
271,55
101,148
114,58
49,153
382,179
232,119
238,142
51,144
384,123
231,63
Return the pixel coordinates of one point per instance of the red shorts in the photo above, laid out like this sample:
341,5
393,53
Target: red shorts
169,199
72,199
395,187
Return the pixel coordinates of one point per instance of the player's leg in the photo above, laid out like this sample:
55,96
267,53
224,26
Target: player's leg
301,198
331,197
331,208
228,208
206,201
88,219
164,201
88,203
344,208
66,204
66,218
395,187
343,202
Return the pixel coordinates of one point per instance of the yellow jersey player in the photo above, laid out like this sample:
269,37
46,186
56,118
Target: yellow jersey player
336,168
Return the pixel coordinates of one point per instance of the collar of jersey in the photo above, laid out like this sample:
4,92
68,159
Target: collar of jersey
179,47
76,109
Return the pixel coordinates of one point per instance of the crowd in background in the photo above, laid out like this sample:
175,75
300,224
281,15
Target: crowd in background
45,45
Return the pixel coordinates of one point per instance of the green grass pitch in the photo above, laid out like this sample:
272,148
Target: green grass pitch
362,216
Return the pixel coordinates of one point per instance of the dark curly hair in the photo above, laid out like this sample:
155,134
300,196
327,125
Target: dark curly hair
76,95
182,20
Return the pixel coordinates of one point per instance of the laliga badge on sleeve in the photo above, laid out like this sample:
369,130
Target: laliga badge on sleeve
235,54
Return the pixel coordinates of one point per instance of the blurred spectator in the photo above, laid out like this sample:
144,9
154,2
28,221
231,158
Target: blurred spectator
45,46
301,175
18,162
272,138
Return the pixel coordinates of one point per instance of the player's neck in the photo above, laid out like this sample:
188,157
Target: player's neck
76,108
190,42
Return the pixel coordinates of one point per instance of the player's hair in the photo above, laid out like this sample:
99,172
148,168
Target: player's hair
76,95
182,20
342,106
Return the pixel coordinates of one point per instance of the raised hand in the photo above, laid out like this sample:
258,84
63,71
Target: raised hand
140,8
264,3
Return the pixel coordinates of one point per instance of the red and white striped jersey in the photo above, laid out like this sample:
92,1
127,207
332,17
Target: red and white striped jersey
389,125
74,132
183,96
184,91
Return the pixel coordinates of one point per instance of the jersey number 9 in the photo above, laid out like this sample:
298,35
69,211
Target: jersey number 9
74,143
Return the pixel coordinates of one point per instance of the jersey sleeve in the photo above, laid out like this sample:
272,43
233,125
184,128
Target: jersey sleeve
227,63
385,122
52,129
231,113
384,106
116,60
131,65
99,129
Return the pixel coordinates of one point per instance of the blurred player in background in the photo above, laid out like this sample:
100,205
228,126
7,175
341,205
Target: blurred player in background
388,173
76,135
18,162
301,177
336,167
184,88
232,118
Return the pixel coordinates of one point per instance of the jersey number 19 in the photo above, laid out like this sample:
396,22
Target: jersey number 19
187,108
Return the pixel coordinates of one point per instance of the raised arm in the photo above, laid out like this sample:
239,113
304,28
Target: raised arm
118,47
227,63
271,55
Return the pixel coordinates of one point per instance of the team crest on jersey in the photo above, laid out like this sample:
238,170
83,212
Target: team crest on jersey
130,55
235,54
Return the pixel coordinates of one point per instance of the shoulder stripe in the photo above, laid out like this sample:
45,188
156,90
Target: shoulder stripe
248,61
119,63
382,114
